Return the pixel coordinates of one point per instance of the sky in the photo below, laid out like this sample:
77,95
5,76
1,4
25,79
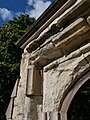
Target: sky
11,8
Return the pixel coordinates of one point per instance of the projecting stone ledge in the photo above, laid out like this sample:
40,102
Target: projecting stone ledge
63,43
61,22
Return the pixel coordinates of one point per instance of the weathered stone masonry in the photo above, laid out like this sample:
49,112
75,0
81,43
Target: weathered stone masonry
55,63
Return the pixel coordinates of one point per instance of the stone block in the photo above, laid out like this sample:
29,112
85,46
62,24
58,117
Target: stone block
34,81
75,11
55,115
86,48
44,116
56,81
88,20
87,57
39,111
9,119
73,27
69,44
9,111
32,108
14,93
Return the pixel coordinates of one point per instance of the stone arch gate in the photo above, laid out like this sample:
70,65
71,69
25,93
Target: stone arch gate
56,56
67,101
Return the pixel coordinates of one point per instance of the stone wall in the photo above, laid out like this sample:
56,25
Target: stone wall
52,63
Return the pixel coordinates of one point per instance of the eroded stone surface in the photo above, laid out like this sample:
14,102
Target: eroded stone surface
19,101
30,107
58,80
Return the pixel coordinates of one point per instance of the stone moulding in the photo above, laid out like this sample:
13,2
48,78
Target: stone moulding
62,44
58,13
83,50
71,94
53,8
65,16
34,85
64,33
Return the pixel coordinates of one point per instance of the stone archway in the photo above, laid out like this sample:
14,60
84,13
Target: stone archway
79,108
68,99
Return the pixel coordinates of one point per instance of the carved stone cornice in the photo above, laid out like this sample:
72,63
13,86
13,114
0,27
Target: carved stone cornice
60,38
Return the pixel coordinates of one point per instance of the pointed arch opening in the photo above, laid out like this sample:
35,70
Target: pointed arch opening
79,108
76,105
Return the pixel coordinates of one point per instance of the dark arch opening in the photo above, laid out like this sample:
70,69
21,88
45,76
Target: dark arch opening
79,108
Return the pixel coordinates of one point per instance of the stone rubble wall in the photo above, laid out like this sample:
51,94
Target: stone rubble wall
52,63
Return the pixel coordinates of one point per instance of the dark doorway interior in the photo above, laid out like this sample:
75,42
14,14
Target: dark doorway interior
80,105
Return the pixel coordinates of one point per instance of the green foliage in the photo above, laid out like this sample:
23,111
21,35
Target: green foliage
10,56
